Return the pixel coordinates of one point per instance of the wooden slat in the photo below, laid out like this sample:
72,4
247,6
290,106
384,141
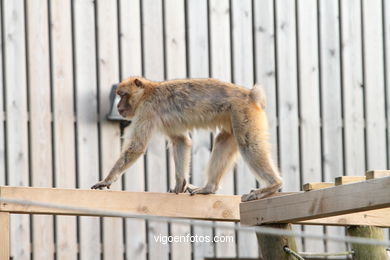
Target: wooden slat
243,76
343,199
348,179
4,235
386,35
309,88
2,109
198,65
331,105
265,74
220,50
176,61
86,111
317,185
354,150
134,179
156,164
16,107
377,174
286,60
40,121
108,67
63,120
212,207
374,92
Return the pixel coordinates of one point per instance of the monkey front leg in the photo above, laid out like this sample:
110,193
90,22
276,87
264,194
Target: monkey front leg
126,159
181,156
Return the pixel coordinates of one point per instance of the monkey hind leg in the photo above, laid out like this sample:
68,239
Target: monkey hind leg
250,130
222,160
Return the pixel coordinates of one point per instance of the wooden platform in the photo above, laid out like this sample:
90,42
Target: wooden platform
360,203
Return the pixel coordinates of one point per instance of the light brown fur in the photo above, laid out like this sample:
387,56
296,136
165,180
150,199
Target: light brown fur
177,106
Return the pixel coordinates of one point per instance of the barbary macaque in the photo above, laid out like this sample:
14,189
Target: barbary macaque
175,107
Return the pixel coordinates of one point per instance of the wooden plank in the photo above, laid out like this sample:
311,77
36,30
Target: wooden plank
198,67
352,80
212,207
63,120
377,174
243,76
108,72
309,109
40,121
153,54
2,108
317,185
175,50
343,199
131,64
348,179
86,111
220,50
17,117
331,104
4,235
287,84
374,92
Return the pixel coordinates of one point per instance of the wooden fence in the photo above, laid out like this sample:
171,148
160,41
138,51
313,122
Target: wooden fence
325,65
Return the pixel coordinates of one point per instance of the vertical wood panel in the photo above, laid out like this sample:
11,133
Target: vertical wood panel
198,59
175,49
131,64
286,60
386,32
2,106
310,139
352,81
16,127
63,120
220,53
40,120
86,107
264,34
332,142
4,235
374,85
156,155
108,64
243,76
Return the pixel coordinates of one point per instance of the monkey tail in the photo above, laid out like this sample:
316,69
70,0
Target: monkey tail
258,96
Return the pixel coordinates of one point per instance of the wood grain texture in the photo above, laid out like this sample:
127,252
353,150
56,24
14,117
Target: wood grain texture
17,117
317,185
343,199
348,179
212,207
63,120
4,235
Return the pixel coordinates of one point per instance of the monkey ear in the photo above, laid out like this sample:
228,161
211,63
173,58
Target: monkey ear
138,83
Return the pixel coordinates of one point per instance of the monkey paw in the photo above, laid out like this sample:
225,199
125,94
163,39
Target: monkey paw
204,190
101,184
180,187
255,195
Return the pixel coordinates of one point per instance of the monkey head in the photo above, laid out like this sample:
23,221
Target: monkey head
131,92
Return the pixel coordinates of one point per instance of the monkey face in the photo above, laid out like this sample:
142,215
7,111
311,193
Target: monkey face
131,91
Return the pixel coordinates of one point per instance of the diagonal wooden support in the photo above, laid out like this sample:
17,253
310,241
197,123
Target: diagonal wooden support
343,199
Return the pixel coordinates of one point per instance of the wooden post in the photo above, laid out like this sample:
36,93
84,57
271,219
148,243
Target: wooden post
4,235
364,252
271,247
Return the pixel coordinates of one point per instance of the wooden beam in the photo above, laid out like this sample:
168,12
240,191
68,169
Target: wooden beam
377,174
210,207
343,199
348,179
317,185
4,236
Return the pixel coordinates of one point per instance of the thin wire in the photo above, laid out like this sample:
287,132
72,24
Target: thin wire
293,253
306,254
259,229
